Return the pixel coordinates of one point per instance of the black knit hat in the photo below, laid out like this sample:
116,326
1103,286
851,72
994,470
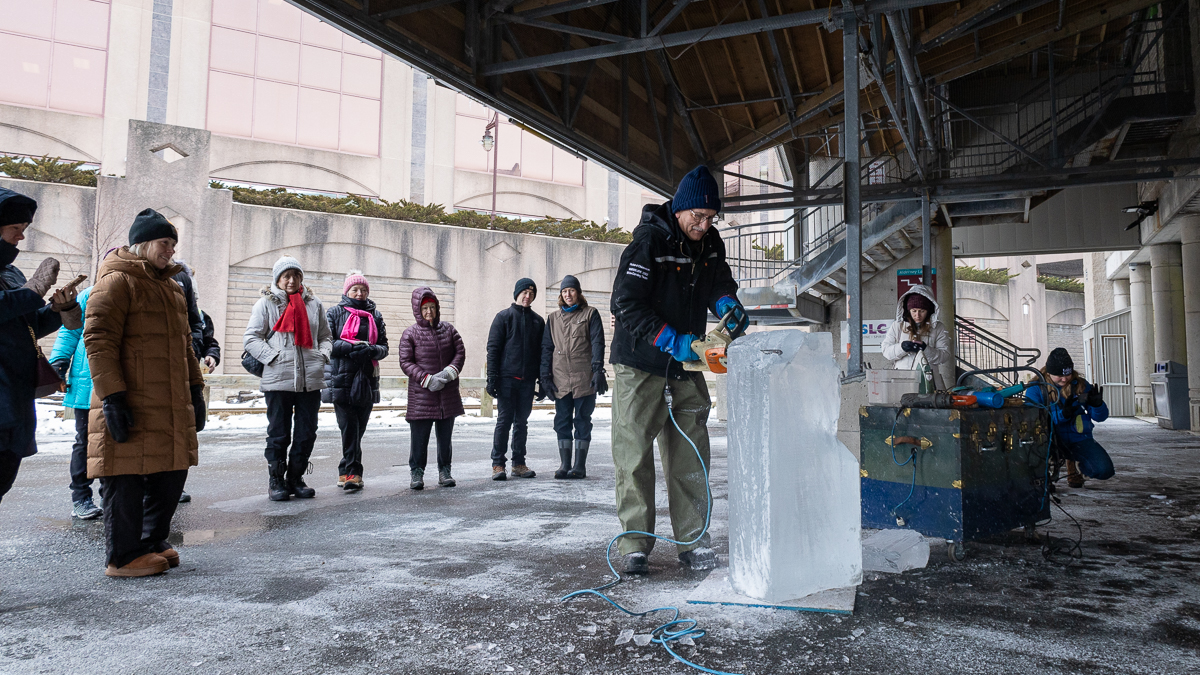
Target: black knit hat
1059,363
522,284
16,208
569,282
150,225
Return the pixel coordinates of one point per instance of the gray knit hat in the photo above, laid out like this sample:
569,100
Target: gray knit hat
282,265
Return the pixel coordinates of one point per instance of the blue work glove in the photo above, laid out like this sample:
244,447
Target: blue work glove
738,322
678,346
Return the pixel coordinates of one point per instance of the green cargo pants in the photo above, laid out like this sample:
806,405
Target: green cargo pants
639,416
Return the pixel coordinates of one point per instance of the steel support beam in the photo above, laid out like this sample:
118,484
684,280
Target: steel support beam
412,9
690,37
926,240
559,8
909,66
852,203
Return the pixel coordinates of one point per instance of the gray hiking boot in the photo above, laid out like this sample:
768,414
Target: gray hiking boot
444,477
418,479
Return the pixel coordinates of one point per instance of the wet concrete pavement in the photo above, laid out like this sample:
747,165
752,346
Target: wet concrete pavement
467,579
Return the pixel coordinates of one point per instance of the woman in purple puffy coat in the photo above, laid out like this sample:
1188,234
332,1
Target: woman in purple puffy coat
431,355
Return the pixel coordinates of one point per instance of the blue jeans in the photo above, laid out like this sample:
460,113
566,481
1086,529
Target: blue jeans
1092,458
574,412
515,403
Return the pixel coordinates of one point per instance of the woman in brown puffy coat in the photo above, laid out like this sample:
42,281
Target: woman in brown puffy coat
431,355
147,403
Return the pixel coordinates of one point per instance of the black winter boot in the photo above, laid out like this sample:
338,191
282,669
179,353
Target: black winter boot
295,478
277,490
580,470
564,454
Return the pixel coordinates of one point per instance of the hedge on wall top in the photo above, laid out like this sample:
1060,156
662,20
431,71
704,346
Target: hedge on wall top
354,205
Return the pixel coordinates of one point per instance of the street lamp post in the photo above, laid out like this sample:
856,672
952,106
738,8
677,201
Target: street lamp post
490,134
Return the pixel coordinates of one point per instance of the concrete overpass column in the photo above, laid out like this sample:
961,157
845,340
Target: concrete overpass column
1142,350
1191,304
1166,288
942,257
1120,294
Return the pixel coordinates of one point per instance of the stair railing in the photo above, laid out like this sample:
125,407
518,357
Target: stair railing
979,349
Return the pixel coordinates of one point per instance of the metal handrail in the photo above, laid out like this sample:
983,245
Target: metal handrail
987,351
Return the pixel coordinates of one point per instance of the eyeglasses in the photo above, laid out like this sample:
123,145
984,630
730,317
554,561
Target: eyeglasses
712,220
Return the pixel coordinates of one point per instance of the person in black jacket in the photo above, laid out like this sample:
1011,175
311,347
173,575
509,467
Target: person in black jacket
514,357
207,349
352,374
24,317
669,279
187,281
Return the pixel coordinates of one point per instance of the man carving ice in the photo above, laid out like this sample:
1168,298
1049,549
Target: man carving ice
671,275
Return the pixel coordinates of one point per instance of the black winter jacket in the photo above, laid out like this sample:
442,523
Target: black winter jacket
665,279
20,310
195,321
207,345
514,347
341,369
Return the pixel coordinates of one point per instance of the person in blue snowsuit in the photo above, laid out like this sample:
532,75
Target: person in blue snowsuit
1075,407
69,358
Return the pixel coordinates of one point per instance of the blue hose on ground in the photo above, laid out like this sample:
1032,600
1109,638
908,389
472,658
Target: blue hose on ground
911,458
676,628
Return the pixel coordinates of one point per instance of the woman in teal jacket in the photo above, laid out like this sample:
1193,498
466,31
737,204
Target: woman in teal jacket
70,360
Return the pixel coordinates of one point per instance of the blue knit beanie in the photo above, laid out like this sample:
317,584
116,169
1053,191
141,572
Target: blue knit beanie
697,190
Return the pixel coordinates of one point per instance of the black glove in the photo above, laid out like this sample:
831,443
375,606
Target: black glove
61,366
1071,409
118,417
491,389
1095,397
361,351
920,346
540,392
199,406
910,347
548,385
599,383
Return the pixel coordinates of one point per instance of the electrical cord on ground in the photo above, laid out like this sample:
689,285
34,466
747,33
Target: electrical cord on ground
676,628
1053,548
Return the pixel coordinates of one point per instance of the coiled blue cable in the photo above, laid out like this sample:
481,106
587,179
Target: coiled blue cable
663,634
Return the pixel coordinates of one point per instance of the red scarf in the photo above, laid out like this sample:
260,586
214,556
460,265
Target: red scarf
295,320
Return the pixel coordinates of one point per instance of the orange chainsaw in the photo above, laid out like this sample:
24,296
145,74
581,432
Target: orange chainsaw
711,348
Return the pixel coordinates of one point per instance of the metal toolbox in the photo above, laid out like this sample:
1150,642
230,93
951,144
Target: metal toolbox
978,471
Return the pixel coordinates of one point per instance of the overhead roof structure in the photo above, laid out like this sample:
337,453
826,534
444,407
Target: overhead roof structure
651,88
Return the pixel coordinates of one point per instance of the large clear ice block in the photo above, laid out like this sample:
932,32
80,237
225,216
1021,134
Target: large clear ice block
794,513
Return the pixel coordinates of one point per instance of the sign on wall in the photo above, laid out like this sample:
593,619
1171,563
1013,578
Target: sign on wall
906,279
872,335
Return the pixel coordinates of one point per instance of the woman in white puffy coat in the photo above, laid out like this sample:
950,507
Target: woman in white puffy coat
916,331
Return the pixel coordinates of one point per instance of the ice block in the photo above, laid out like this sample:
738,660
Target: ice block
794,513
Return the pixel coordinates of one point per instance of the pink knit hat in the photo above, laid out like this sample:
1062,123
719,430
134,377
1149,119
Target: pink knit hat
355,279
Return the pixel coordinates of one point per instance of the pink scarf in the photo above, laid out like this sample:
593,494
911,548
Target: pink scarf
354,322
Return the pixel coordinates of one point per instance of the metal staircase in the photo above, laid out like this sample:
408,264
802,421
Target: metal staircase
978,349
